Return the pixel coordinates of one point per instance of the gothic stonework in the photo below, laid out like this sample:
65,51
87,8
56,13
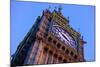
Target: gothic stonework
51,40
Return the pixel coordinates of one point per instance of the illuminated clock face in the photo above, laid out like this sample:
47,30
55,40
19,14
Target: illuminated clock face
63,35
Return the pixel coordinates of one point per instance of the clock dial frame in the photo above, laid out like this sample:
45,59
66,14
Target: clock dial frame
63,35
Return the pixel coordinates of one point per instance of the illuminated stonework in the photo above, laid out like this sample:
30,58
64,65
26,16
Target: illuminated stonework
51,40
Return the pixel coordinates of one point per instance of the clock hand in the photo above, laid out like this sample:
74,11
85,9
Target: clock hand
65,37
63,34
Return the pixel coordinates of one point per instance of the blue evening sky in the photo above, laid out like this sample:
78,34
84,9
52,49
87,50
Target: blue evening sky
24,14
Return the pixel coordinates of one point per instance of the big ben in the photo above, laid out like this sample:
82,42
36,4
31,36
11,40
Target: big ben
51,40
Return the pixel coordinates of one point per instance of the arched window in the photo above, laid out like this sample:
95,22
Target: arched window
54,41
45,49
50,52
49,39
55,55
75,57
58,45
63,48
71,53
67,51
60,58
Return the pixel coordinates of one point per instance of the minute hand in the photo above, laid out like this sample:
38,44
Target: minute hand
65,37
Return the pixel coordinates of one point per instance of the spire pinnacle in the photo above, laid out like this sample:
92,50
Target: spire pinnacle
60,8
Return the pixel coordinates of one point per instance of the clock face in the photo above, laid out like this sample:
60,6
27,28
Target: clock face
63,35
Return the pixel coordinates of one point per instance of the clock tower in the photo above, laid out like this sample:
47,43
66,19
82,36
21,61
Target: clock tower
51,40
